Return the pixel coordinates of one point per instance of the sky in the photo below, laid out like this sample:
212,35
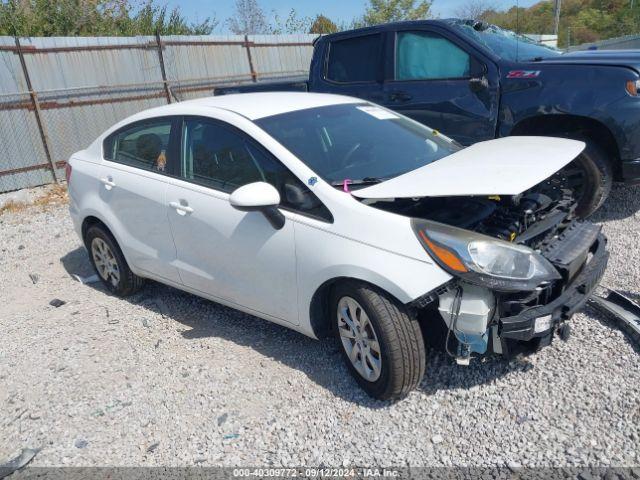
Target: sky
337,10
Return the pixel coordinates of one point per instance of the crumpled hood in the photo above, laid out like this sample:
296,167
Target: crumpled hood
506,166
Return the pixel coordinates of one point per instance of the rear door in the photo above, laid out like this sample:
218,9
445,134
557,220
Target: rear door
443,83
137,161
353,66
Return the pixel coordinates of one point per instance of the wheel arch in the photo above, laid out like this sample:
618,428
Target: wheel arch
319,311
92,219
572,126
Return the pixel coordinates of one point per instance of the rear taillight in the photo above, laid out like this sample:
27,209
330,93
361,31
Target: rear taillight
67,172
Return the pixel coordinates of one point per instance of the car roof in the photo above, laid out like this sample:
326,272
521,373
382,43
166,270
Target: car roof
265,104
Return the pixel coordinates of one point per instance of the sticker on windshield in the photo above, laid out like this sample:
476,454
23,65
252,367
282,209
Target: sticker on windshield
379,113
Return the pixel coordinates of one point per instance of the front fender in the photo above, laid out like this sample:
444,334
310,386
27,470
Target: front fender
596,93
403,277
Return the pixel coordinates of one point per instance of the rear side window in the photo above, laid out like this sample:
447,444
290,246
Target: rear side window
355,59
142,145
429,56
220,157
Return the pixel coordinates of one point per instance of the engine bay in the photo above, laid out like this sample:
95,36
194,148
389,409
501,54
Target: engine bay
529,218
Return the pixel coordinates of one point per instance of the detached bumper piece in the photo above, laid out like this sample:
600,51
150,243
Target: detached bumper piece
621,309
528,322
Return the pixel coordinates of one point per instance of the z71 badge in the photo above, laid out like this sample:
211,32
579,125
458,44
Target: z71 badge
523,74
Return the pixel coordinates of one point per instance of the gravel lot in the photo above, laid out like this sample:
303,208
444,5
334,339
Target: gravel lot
166,378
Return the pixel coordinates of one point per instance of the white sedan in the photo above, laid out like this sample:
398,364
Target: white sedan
334,216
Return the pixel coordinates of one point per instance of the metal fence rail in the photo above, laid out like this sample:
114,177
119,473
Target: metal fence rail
58,94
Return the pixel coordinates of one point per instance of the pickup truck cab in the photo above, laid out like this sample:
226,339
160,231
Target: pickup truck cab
474,82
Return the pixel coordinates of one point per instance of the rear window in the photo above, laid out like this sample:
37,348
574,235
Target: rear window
355,59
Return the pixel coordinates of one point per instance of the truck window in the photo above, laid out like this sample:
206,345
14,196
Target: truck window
429,56
355,59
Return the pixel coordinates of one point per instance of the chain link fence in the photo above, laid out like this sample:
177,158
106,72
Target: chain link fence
58,94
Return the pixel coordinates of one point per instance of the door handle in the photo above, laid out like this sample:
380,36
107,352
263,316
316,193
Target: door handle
182,209
108,183
478,83
399,97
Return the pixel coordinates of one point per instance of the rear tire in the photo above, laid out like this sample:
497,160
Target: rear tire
597,179
400,345
109,262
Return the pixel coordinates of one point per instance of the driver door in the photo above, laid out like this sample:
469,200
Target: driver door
232,256
439,83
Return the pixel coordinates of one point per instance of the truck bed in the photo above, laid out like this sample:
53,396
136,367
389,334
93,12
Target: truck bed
288,84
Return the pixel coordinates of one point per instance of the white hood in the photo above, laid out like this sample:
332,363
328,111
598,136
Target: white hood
506,166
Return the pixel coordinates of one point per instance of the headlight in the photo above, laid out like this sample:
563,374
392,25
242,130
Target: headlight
484,260
633,87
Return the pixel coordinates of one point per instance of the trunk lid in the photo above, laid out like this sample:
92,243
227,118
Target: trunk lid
506,166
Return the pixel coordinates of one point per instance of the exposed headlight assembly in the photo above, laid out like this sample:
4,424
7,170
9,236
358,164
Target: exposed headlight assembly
483,260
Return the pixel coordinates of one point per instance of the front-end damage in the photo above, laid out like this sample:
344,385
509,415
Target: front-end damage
522,265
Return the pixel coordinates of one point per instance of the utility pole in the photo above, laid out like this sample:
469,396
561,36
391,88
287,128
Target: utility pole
556,22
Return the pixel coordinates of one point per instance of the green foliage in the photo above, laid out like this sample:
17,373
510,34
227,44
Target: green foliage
291,24
383,11
581,21
45,18
322,24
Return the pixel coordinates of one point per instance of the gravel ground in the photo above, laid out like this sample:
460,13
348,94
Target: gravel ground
166,378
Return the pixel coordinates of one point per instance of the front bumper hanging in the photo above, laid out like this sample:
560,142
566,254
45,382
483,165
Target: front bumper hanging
521,327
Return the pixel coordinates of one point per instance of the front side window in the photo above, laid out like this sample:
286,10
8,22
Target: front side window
357,142
218,156
429,56
355,59
143,145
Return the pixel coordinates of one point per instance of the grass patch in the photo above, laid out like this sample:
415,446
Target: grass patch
51,196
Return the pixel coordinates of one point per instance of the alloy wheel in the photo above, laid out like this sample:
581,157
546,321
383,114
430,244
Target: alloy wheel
359,339
105,261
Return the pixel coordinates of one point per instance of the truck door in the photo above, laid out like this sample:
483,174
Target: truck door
442,83
352,65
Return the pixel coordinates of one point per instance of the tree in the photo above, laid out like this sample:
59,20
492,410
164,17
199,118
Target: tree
322,24
383,11
476,10
291,24
248,19
46,18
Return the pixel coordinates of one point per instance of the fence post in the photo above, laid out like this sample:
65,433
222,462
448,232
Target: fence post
162,70
254,75
36,108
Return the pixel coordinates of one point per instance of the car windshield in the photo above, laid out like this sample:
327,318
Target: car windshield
363,143
506,44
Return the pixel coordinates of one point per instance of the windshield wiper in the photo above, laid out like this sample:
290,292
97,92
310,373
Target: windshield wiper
362,181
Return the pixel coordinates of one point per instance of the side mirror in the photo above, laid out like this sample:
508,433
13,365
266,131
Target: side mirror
259,196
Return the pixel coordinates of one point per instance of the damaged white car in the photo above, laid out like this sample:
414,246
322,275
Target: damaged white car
333,216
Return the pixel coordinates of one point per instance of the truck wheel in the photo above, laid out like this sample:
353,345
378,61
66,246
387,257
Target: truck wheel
108,260
382,344
590,176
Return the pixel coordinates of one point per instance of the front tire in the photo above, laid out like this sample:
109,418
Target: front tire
381,342
109,262
590,176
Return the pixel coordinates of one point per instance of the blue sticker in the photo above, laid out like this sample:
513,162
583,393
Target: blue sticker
312,181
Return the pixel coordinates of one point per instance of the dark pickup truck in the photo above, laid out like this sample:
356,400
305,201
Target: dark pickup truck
474,81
